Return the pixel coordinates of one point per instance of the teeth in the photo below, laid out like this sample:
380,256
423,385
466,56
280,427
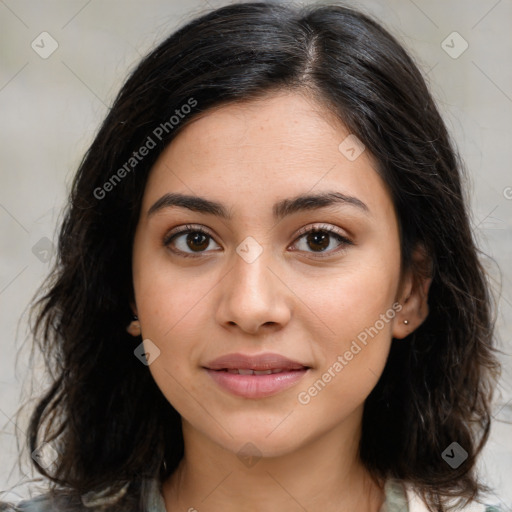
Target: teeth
245,372
262,372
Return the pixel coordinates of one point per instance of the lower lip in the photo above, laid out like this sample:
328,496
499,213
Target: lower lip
256,386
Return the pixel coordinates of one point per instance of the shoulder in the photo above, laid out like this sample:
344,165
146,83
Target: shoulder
416,504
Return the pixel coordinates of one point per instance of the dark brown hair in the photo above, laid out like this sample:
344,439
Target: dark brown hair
104,411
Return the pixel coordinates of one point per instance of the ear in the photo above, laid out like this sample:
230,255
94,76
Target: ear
413,294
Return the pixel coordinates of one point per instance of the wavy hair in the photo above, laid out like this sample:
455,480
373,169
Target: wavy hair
112,424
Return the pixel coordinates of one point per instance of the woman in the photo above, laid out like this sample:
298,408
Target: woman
268,296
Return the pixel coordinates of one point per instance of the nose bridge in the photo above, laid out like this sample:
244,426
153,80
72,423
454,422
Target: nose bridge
251,264
252,294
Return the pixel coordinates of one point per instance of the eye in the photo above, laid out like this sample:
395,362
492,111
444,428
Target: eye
197,239
320,237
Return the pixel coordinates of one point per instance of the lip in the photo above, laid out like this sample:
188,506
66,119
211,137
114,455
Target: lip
255,386
266,361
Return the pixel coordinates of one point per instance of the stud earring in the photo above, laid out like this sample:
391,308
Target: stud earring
406,322
134,327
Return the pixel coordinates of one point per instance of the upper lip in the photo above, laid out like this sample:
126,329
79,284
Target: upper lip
267,361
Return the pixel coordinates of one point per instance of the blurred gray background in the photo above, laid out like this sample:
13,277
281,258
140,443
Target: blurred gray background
61,65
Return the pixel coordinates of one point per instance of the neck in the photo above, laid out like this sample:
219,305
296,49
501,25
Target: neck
323,474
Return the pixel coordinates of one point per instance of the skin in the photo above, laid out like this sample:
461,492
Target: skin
290,300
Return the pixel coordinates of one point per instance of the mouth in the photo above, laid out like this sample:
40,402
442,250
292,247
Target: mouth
256,384
255,376
248,371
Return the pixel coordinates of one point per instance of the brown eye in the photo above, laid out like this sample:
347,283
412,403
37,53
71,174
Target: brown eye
197,240
192,241
188,241
319,238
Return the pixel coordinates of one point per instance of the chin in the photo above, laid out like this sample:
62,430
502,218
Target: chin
250,439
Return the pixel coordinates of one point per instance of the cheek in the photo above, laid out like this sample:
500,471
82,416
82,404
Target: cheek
170,310
358,314
169,298
173,316
353,298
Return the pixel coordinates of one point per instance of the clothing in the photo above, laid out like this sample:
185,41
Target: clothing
399,498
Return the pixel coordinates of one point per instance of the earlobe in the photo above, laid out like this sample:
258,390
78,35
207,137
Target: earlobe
414,298
134,327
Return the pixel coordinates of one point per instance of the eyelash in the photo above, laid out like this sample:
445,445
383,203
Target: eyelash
303,231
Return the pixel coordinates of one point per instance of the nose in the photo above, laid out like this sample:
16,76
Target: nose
254,297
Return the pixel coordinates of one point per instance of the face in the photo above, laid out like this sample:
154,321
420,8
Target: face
314,282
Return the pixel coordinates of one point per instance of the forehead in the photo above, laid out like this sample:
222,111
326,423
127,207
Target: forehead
278,146
278,121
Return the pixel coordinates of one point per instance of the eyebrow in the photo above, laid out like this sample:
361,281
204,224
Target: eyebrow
281,209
